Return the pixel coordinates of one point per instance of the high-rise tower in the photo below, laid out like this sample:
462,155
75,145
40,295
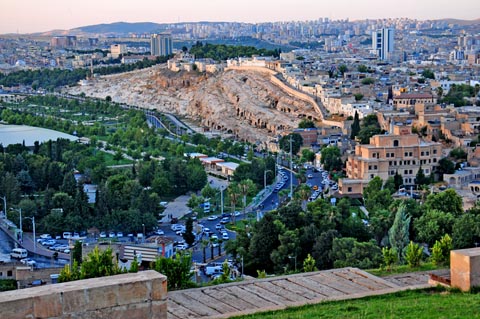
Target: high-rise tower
161,44
382,43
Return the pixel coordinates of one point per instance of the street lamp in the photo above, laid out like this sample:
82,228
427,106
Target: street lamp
295,258
221,199
34,238
143,237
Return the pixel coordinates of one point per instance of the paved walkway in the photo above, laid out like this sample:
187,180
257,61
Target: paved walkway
250,296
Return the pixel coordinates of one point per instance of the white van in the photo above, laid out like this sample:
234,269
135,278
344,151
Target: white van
67,235
19,253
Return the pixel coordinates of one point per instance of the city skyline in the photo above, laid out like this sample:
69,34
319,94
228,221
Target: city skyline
22,16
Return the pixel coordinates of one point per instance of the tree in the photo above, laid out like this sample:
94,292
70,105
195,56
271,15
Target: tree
362,68
297,142
118,156
358,96
355,128
77,252
178,270
368,81
446,201
398,234
347,252
428,74
432,225
331,158
306,124
308,155
264,240
309,264
390,257
246,187
441,250
342,68
445,166
420,178
188,235
234,195
413,254
466,230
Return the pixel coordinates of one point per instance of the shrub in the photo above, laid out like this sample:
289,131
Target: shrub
390,257
413,254
441,250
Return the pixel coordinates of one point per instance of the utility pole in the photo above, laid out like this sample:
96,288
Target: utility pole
5,206
291,168
221,199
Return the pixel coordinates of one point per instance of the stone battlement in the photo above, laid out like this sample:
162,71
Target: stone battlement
140,295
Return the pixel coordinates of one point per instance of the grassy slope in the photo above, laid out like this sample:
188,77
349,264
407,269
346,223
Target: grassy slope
419,304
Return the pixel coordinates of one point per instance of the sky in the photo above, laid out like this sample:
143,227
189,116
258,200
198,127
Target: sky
29,16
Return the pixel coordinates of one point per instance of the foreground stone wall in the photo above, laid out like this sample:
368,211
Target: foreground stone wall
465,268
141,295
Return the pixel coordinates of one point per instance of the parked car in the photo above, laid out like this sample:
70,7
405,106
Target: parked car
159,232
111,234
49,242
218,226
103,234
224,220
225,236
181,246
119,234
176,227
212,217
29,262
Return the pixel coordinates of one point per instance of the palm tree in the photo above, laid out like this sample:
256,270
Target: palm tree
233,194
303,193
246,187
204,248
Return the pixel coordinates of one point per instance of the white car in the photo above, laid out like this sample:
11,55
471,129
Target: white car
212,217
103,234
111,234
181,247
176,227
119,234
225,236
28,262
159,232
214,237
237,213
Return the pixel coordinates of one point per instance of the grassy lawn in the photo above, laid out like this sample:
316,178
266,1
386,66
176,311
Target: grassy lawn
109,161
419,304
403,269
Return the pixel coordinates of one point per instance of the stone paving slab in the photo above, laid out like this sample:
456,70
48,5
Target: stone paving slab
233,299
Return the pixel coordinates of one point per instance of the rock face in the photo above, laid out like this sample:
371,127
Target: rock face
244,103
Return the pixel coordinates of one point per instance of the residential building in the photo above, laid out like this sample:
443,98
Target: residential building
118,49
161,44
383,43
399,152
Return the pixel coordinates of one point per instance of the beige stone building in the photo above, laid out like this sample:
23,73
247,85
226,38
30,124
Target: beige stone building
401,152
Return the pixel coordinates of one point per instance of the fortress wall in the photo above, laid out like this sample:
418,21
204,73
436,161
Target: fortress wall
139,295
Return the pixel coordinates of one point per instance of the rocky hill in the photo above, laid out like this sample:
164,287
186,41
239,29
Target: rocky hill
244,103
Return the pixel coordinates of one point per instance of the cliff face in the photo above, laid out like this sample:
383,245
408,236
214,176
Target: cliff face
244,103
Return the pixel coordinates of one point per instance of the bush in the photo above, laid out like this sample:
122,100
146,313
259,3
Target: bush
413,254
390,257
441,250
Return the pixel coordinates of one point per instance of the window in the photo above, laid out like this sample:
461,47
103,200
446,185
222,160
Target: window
406,154
395,143
405,172
375,167
434,160
349,189
372,176
390,163
434,151
9,273
422,154
410,171
388,154
427,153
369,167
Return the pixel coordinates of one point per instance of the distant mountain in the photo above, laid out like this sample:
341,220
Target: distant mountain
120,28
461,22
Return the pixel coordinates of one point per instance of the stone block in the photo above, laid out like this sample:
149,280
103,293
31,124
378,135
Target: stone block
159,288
159,310
19,308
465,268
47,306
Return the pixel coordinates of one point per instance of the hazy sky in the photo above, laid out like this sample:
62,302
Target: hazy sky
27,16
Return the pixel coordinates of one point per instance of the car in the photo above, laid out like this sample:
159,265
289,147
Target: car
111,234
237,213
206,230
159,232
119,234
45,236
218,226
29,262
225,236
315,187
224,220
61,247
176,227
334,187
215,244
49,242
212,217
67,251
309,176
214,237
103,234
182,246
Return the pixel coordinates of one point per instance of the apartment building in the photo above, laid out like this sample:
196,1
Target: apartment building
401,151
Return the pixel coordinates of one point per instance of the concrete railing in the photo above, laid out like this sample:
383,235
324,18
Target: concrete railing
140,295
